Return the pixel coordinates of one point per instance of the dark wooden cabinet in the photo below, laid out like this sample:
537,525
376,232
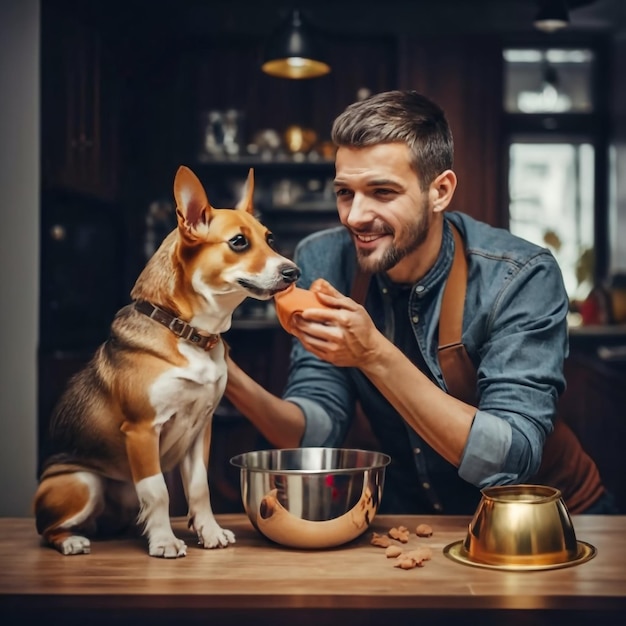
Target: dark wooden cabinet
79,100
81,256
594,405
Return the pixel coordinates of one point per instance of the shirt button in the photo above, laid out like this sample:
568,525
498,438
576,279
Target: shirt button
417,450
415,319
419,289
385,290
426,485
437,507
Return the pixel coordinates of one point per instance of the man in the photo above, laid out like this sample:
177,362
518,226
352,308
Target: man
393,183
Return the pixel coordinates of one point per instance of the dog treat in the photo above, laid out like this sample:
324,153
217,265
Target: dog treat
404,559
424,530
393,551
423,553
408,563
413,558
401,534
382,541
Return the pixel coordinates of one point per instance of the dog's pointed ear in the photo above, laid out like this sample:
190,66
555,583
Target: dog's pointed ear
192,205
246,202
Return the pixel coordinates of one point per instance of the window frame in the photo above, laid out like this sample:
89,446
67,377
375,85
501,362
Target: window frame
591,127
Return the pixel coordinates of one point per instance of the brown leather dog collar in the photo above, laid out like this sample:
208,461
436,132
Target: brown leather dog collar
179,327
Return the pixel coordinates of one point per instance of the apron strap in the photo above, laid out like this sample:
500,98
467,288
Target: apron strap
457,368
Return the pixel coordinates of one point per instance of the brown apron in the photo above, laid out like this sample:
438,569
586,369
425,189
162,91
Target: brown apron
565,465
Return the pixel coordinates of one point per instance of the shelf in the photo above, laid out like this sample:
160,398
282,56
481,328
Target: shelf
305,207
286,165
602,331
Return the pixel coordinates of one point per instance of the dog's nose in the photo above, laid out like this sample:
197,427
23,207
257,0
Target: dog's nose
290,273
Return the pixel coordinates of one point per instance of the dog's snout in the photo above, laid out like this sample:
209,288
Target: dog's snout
290,273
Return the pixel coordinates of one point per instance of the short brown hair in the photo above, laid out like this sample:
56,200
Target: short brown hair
400,116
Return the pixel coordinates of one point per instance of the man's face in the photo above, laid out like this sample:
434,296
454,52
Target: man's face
380,202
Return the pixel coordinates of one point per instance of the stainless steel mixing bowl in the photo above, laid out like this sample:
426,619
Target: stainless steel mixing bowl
311,497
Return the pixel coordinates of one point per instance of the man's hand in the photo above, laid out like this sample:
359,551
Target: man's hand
343,335
346,336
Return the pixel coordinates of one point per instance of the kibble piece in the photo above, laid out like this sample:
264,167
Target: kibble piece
408,563
421,554
401,534
393,551
382,541
424,530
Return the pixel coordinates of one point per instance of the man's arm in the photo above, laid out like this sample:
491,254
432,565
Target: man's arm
442,420
520,374
347,337
279,421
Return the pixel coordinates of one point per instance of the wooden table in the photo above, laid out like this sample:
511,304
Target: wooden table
256,582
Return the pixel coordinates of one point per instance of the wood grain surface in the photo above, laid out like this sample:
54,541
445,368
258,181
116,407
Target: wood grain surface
355,583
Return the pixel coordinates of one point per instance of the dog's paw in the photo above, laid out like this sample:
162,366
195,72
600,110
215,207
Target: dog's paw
75,544
214,536
167,548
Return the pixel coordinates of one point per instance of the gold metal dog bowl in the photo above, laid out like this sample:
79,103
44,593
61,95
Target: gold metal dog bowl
520,527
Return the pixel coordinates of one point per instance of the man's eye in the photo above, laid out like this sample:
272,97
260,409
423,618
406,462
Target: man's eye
238,243
342,192
271,242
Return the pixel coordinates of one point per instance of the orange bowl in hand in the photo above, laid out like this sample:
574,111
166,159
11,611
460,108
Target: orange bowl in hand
294,300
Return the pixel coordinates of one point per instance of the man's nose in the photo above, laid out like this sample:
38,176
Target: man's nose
359,213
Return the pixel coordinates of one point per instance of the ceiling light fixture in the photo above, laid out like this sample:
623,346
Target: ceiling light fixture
552,15
293,51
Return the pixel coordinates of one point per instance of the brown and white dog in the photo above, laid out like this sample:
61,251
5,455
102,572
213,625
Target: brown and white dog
144,403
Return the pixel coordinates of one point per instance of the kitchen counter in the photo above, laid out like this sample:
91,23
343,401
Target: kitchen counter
254,581
589,338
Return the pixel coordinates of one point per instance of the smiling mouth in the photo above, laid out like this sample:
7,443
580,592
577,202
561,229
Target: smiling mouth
366,238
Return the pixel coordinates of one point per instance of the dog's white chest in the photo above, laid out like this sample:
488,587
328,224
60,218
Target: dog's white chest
187,396
203,368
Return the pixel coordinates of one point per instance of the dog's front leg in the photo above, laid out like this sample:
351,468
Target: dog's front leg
142,448
194,473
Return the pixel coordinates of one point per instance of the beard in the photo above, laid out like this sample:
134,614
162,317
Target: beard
416,234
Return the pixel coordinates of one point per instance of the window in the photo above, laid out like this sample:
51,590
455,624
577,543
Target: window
548,81
554,144
551,203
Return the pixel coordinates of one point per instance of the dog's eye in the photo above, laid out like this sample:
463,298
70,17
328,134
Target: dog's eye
271,242
238,243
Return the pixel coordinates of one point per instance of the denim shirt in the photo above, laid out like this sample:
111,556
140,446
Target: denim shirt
514,329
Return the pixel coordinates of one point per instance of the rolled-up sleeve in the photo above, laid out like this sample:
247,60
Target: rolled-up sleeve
318,429
324,392
520,376
325,395
486,450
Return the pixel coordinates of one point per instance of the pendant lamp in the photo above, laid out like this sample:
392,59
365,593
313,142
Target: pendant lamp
293,51
552,15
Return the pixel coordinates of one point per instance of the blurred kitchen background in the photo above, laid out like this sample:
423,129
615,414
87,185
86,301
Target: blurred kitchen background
129,90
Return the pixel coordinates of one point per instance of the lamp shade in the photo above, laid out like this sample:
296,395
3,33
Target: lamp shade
293,51
552,15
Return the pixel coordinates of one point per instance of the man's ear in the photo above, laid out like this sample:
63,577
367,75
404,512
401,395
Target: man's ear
441,190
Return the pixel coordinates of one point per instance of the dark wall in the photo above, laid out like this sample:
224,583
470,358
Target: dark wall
124,86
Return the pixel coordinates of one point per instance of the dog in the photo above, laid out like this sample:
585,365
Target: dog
144,403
